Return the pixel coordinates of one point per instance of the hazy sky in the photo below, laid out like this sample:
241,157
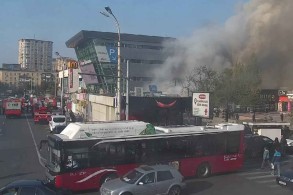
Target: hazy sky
59,20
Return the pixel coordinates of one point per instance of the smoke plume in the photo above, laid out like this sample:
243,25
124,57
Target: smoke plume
262,28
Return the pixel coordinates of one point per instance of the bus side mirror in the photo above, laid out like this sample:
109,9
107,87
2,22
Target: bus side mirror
41,143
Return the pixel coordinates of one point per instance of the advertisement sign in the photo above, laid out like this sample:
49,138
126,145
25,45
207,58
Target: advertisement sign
201,105
70,78
88,73
107,54
102,54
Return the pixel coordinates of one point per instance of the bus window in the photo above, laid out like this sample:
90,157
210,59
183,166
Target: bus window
76,158
232,145
117,152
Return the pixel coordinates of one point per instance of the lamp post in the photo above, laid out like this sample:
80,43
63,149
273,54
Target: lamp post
118,93
62,83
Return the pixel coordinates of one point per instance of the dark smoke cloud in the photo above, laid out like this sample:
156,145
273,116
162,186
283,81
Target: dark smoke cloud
262,28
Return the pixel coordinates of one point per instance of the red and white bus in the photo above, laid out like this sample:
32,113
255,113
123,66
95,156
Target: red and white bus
86,155
12,107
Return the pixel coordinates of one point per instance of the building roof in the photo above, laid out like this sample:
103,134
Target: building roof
85,35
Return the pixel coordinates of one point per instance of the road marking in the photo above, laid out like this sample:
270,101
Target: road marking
252,173
35,143
267,181
260,177
275,186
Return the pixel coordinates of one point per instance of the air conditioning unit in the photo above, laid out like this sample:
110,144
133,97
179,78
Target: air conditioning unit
138,91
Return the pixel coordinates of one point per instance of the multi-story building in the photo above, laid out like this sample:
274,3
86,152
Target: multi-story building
35,54
97,54
19,78
60,63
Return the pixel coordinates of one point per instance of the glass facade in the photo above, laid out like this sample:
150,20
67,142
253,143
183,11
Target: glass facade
106,72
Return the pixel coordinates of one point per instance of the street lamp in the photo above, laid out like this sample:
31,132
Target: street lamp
62,83
118,94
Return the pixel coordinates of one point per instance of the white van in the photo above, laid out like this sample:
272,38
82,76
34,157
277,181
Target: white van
57,120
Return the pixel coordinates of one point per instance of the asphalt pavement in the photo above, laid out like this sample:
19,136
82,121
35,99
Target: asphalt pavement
19,159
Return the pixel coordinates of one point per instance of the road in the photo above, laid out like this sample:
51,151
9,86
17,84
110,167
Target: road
19,159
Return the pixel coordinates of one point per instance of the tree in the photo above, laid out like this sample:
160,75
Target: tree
240,84
201,79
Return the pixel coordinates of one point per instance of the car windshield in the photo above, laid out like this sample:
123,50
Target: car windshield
132,176
59,119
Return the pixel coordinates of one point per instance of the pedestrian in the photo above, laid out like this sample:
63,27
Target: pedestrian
276,163
237,116
253,117
276,143
282,116
265,158
283,143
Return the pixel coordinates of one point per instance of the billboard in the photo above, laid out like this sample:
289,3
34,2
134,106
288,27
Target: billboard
88,72
107,53
70,75
201,105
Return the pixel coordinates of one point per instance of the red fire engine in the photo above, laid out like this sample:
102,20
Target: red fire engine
42,109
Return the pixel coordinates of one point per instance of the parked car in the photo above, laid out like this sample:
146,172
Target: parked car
23,187
57,120
254,146
285,179
146,180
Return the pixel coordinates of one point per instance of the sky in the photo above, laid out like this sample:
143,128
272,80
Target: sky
59,20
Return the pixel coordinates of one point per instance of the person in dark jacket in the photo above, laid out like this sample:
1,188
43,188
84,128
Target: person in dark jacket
282,116
276,144
283,144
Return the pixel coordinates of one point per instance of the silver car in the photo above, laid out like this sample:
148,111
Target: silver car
148,180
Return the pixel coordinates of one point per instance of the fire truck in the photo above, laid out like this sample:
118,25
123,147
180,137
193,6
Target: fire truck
42,109
12,107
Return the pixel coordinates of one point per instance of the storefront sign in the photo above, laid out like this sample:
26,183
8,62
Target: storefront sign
201,104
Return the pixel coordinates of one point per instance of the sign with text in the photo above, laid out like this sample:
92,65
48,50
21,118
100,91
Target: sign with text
88,73
107,54
201,105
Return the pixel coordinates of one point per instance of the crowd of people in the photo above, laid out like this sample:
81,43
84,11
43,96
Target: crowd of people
275,162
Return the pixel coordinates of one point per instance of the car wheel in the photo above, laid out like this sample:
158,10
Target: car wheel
203,170
126,193
108,177
175,190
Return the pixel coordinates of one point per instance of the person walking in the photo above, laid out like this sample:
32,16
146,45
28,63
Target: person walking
282,116
237,116
276,143
283,144
253,117
276,162
265,158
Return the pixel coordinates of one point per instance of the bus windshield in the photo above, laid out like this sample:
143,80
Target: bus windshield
54,160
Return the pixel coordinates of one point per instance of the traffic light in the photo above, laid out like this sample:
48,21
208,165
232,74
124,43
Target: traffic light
72,64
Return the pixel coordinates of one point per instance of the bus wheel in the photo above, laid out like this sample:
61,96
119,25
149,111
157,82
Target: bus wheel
203,170
108,177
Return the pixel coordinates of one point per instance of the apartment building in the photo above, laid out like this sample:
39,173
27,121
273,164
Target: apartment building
17,78
35,54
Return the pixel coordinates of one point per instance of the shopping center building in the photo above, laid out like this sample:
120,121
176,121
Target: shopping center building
97,56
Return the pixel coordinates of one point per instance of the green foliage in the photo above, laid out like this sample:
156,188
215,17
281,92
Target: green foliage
239,84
